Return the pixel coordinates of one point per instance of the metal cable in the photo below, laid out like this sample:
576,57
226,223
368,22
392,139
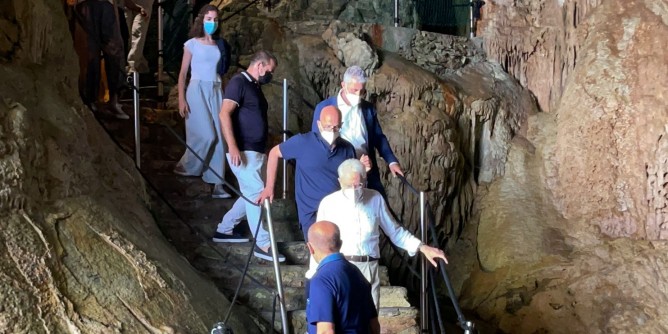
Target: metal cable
437,308
252,249
207,165
241,281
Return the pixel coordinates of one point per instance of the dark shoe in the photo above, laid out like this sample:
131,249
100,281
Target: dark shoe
222,237
219,192
259,253
179,170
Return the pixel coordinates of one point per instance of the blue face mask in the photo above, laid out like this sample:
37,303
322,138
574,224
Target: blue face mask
210,27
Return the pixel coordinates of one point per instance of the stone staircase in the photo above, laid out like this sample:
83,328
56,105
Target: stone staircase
224,263
188,216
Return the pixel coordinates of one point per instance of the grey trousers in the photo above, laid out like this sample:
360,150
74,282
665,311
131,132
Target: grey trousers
203,132
370,272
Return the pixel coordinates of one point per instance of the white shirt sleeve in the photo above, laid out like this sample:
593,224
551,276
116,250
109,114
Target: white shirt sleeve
397,234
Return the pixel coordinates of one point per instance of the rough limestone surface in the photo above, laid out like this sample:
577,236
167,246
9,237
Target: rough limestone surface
572,238
613,122
81,252
436,53
367,11
540,272
350,47
536,41
380,11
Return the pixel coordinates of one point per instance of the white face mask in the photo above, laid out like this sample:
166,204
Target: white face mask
352,98
329,136
354,195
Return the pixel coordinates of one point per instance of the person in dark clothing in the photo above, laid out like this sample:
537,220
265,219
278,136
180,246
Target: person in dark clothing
97,35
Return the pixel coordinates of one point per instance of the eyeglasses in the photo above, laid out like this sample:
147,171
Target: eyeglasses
332,127
360,185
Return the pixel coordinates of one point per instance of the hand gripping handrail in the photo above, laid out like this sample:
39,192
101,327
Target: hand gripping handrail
464,324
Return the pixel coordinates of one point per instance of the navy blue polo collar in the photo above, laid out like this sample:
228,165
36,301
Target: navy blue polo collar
330,258
250,78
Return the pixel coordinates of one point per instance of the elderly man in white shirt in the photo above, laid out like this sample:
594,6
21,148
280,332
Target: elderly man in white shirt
359,212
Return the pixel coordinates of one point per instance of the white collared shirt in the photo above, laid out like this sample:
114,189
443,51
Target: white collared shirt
353,129
359,223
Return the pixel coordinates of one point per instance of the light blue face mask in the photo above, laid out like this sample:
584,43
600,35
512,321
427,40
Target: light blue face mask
210,27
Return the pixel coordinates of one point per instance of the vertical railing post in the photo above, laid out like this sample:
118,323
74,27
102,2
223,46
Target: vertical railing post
396,13
469,327
471,32
137,123
161,61
424,302
277,268
285,135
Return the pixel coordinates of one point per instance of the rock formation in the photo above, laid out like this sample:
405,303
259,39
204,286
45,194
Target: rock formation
571,238
536,41
553,207
81,252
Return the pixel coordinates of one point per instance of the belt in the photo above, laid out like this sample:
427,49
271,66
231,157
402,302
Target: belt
360,258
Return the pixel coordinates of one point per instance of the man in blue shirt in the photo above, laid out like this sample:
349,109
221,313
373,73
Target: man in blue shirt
340,297
360,125
318,154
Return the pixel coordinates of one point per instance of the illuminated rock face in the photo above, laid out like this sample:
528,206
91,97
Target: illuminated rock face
80,251
572,238
615,103
537,42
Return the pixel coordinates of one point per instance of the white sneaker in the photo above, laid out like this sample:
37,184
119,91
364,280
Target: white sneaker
219,192
117,111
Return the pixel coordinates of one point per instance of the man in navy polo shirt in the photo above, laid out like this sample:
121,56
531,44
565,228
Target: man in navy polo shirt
243,119
318,155
340,297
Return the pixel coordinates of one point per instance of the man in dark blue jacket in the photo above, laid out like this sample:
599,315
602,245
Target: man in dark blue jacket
360,125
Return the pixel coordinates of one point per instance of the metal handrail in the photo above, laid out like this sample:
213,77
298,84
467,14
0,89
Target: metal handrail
427,222
277,268
285,136
424,298
135,96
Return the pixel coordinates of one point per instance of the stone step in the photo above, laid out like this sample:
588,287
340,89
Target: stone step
291,275
295,252
394,320
207,218
261,299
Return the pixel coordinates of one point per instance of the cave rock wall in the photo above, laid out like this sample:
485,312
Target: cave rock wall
536,41
79,249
